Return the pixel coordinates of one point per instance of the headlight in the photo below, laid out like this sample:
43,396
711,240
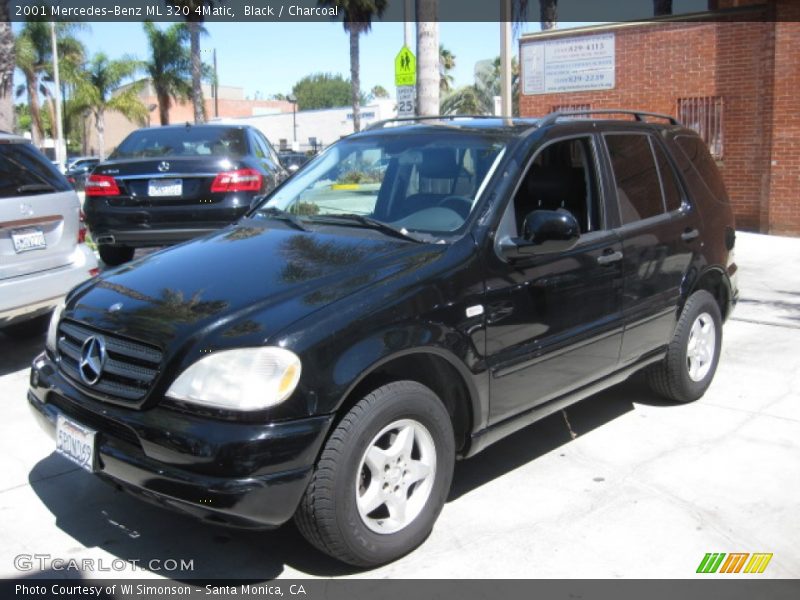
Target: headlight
52,330
241,379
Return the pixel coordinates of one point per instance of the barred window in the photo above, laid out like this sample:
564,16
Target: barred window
704,115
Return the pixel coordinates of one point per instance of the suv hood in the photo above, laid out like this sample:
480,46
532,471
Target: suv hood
248,279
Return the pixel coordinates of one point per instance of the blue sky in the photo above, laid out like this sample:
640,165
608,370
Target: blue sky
271,57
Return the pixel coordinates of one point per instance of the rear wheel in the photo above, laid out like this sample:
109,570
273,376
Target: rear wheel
382,478
115,255
688,369
28,328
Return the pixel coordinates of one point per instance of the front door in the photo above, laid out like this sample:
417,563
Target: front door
554,320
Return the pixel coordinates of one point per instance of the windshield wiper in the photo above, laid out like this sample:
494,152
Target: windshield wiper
372,223
35,187
277,213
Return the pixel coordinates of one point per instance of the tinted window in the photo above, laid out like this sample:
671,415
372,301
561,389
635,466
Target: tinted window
672,193
183,141
638,185
25,171
697,152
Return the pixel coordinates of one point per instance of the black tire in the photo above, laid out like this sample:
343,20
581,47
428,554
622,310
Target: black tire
28,328
670,378
115,255
328,516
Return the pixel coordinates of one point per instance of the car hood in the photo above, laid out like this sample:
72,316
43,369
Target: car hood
248,279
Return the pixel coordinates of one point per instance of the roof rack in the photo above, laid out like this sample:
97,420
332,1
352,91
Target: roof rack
384,122
638,114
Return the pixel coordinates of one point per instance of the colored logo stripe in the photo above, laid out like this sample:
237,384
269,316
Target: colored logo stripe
713,562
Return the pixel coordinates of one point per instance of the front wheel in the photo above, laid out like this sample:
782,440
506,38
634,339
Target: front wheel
693,354
382,478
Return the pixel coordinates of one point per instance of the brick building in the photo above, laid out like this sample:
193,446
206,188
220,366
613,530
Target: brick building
736,83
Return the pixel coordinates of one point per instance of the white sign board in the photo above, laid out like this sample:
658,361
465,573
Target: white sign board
406,101
569,64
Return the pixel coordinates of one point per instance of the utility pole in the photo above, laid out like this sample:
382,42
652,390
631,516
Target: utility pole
216,86
60,146
505,59
408,32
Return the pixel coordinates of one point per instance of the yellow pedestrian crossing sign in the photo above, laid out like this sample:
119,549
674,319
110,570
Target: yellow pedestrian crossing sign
405,68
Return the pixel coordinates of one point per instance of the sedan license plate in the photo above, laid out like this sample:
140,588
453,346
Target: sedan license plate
165,187
30,238
75,442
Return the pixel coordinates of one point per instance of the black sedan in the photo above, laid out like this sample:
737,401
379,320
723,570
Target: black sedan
164,185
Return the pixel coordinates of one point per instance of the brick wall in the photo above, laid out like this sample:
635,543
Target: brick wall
753,66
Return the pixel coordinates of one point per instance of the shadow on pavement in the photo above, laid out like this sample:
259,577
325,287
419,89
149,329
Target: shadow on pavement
97,515
16,355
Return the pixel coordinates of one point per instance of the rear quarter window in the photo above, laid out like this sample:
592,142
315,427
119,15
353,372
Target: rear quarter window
24,171
698,167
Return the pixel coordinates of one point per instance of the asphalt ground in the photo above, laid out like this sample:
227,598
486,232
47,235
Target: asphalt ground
620,485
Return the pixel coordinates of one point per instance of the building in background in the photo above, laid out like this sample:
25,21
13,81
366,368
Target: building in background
316,129
230,104
736,83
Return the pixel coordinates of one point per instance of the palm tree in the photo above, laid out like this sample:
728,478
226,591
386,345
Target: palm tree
548,13
447,62
99,91
33,48
427,14
194,22
169,67
357,18
6,70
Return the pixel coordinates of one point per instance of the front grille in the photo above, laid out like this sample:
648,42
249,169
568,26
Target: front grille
129,370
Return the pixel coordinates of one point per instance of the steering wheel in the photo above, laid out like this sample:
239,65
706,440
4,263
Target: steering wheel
459,204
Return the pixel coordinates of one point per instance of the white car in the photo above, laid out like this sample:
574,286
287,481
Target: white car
42,250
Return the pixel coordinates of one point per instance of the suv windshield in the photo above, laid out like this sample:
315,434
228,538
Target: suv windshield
417,182
177,141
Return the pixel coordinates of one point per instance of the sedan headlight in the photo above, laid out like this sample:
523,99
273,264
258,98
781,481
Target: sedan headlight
241,379
52,330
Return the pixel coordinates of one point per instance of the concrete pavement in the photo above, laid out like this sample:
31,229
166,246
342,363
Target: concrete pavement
634,487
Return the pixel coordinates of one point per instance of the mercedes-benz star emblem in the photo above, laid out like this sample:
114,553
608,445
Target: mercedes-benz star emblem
93,358
163,166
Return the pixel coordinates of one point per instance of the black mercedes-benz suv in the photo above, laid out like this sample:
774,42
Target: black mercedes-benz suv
415,293
164,185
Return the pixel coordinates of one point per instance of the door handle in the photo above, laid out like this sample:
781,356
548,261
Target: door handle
607,259
689,235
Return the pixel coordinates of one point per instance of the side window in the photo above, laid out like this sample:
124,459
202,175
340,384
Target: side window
636,175
562,177
25,171
258,145
672,192
697,153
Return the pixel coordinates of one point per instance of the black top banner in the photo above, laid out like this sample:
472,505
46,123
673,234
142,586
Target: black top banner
314,11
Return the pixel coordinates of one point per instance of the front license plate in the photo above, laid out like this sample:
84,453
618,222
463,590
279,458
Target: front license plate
30,238
76,442
165,187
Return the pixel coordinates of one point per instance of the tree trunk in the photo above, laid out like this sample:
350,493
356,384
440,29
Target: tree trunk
163,107
197,70
548,14
100,125
427,58
662,7
355,76
33,105
7,60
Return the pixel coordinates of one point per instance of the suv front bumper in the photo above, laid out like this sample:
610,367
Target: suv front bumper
242,474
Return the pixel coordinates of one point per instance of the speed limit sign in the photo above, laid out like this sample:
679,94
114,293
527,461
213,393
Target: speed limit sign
406,101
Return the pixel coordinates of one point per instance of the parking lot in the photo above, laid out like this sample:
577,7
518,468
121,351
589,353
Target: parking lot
623,485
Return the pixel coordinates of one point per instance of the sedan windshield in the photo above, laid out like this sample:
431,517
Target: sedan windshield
182,141
426,183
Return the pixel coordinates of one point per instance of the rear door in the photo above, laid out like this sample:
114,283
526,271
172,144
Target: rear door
659,230
39,212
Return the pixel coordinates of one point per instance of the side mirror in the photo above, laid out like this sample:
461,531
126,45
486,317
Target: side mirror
543,232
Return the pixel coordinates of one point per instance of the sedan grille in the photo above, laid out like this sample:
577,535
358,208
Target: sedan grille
129,370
